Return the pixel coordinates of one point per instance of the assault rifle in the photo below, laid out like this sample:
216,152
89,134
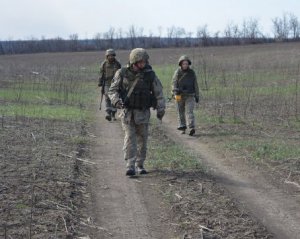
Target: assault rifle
102,94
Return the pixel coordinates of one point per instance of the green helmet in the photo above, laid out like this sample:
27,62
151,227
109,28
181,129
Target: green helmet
137,55
110,52
184,58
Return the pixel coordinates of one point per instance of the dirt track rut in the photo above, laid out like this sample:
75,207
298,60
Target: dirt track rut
279,212
124,207
128,208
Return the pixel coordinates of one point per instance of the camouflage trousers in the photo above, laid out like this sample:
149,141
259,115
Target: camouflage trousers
135,143
109,108
185,110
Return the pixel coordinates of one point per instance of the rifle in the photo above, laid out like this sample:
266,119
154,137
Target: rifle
102,93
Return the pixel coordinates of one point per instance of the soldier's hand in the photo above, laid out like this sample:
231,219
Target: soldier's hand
100,83
160,114
120,104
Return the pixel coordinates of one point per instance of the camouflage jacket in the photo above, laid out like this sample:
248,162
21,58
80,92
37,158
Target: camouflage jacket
124,79
108,70
185,82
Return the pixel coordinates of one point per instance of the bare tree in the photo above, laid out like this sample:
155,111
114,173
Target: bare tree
98,41
232,30
189,39
1,49
203,35
74,46
111,35
251,29
232,33
281,27
132,35
170,34
294,25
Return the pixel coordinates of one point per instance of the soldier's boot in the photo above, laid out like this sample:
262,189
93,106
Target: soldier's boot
130,167
141,170
182,129
108,115
192,132
140,166
130,172
113,115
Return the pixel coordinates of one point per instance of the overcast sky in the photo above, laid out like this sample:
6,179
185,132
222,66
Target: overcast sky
23,19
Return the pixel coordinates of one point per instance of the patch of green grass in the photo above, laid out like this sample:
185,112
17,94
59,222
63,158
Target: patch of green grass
79,140
42,96
21,206
54,99
165,74
242,92
234,83
204,118
171,157
61,112
164,154
263,149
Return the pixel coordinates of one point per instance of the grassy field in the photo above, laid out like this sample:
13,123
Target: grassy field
45,102
250,106
250,100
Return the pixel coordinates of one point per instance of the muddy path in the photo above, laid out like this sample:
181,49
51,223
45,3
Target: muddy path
123,207
270,204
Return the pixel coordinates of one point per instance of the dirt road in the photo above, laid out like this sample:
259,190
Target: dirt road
132,207
124,207
277,210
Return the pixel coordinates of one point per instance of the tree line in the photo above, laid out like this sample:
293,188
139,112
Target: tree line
284,28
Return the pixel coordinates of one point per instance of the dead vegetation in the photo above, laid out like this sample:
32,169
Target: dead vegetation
42,192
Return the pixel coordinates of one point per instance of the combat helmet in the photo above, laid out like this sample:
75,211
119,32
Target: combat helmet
137,55
110,52
184,58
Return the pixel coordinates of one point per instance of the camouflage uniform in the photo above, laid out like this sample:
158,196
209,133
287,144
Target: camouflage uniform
107,72
135,113
185,85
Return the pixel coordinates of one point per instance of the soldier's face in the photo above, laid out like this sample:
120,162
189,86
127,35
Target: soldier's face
141,64
110,57
184,65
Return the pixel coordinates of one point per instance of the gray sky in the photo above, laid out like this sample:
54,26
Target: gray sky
23,19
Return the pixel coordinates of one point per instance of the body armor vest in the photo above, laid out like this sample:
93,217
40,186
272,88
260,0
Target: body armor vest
110,70
186,81
142,95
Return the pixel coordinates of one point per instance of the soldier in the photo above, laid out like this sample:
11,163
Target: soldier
107,71
186,91
135,89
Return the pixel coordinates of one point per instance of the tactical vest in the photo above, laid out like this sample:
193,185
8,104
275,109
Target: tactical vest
186,81
109,71
142,96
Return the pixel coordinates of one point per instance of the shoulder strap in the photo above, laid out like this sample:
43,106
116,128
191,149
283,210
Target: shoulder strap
123,72
184,74
132,87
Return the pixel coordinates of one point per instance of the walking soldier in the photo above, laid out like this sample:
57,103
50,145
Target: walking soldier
186,91
108,69
135,89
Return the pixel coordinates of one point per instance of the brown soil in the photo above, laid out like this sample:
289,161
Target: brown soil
46,181
254,189
42,184
123,207
164,204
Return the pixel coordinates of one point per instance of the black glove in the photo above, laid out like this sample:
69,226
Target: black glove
100,83
197,99
120,104
160,114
